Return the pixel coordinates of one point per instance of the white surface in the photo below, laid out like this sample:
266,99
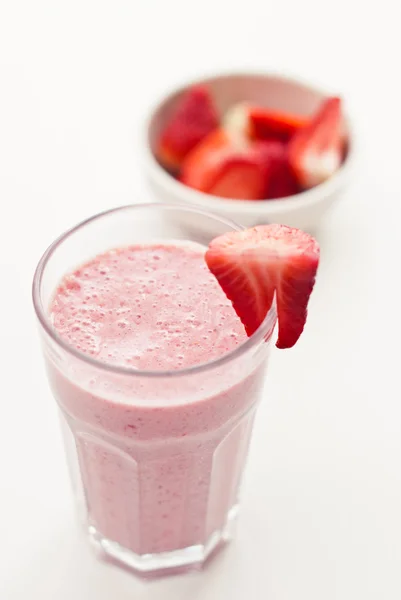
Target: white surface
321,516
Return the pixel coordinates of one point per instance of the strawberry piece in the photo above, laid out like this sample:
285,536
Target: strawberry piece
315,152
254,264
241,177
228,166
267,124
261,123
201,166
281,182
194,118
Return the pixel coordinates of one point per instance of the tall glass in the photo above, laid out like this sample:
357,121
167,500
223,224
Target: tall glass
156,457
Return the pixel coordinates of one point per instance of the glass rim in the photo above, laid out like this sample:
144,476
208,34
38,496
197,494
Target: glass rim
41,312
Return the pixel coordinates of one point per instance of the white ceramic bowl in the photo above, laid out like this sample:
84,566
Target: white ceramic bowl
304,210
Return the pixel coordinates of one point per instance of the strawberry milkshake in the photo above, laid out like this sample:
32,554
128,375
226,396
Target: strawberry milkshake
156,381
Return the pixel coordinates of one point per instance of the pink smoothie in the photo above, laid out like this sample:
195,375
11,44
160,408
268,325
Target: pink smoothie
159,457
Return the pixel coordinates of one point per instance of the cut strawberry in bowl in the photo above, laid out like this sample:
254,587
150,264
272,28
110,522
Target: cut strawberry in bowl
272,124
254,265
281,180
262,123
193,119
201,166
316,151
227,166
241,177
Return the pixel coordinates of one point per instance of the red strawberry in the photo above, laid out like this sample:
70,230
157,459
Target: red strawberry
228,166
281,182
261,123
315,152
268,124
200,167
195,116
253,264
241,177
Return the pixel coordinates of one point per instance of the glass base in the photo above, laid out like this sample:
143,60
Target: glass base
164,563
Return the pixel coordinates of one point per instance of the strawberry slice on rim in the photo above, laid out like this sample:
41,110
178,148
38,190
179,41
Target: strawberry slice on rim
254,264
194,118
316,151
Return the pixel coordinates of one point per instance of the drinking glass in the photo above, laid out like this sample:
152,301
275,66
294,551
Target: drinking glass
156,457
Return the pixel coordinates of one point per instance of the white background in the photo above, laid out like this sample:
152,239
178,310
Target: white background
321,516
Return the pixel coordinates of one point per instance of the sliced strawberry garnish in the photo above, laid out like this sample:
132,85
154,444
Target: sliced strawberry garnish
195,116
266,124
315,152
253,264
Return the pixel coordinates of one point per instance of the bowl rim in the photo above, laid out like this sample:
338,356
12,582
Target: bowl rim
303,199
